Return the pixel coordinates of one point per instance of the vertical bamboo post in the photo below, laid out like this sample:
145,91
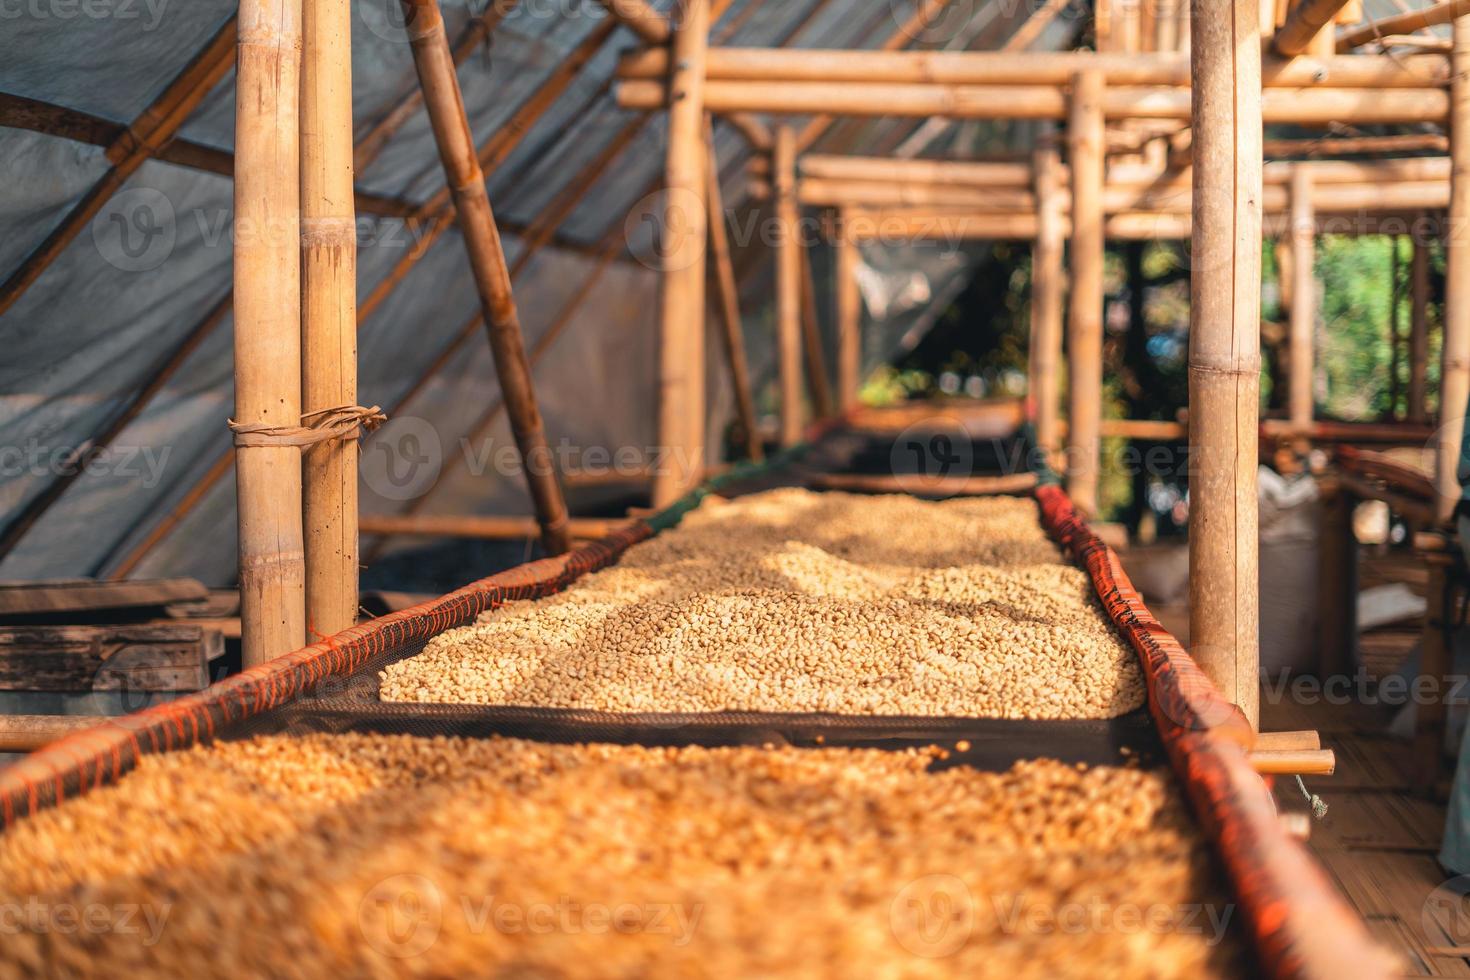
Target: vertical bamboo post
267,274
788,284
1418,328
1046,297
1303,299
682,311
436,71
1224,347
328,311
1395,335
1454,385
813,356
1084,327
849,317
727,294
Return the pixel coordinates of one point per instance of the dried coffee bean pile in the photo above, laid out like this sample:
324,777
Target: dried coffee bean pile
796,601
364,856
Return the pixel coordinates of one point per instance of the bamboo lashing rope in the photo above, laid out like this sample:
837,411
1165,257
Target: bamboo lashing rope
323,425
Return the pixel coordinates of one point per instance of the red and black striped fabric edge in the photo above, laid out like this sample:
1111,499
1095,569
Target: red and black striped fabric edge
100,755
1298,924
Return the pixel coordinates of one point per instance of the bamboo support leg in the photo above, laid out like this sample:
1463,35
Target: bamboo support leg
681,412
435,66
788,285
267,274
722,275
1303,299
849,318
811,339
1224,348
1455,370
1418,330
328,312
1429,720
1084,328
1047,289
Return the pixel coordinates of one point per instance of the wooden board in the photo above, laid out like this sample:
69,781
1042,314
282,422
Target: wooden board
77,595
141,658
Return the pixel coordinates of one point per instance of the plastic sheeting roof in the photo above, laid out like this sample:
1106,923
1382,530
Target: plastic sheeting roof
122,296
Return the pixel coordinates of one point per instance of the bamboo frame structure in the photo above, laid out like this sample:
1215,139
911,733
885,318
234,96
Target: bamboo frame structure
1454,383
727,299
681,404
267,274
1084,323
1303,310
788,285
1418,331
1047,298
328,312
640,18
1224,349
849,306
435,67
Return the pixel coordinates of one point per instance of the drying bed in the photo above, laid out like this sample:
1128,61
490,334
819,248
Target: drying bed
357,855
1294,923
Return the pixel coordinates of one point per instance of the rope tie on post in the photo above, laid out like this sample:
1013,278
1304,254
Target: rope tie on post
323,425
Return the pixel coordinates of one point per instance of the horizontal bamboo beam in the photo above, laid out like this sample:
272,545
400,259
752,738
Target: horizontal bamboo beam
1406,23
1172,198
967,174
1302,762
1354,145
1318,106
1028,68
477,527
27,733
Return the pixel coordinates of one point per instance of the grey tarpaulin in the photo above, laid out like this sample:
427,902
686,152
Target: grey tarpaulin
95,326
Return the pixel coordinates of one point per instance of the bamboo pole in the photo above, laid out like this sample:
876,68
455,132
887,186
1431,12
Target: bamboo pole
267,274
727,295
813,356
1418,330
1395,335
788,285
328,312
435,66
1084,324
1303,299
849,316
1405,23
1026,68
1047,289
1454,385
480,527
1398,143
1305,21
1306,107
1224,353
681,413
